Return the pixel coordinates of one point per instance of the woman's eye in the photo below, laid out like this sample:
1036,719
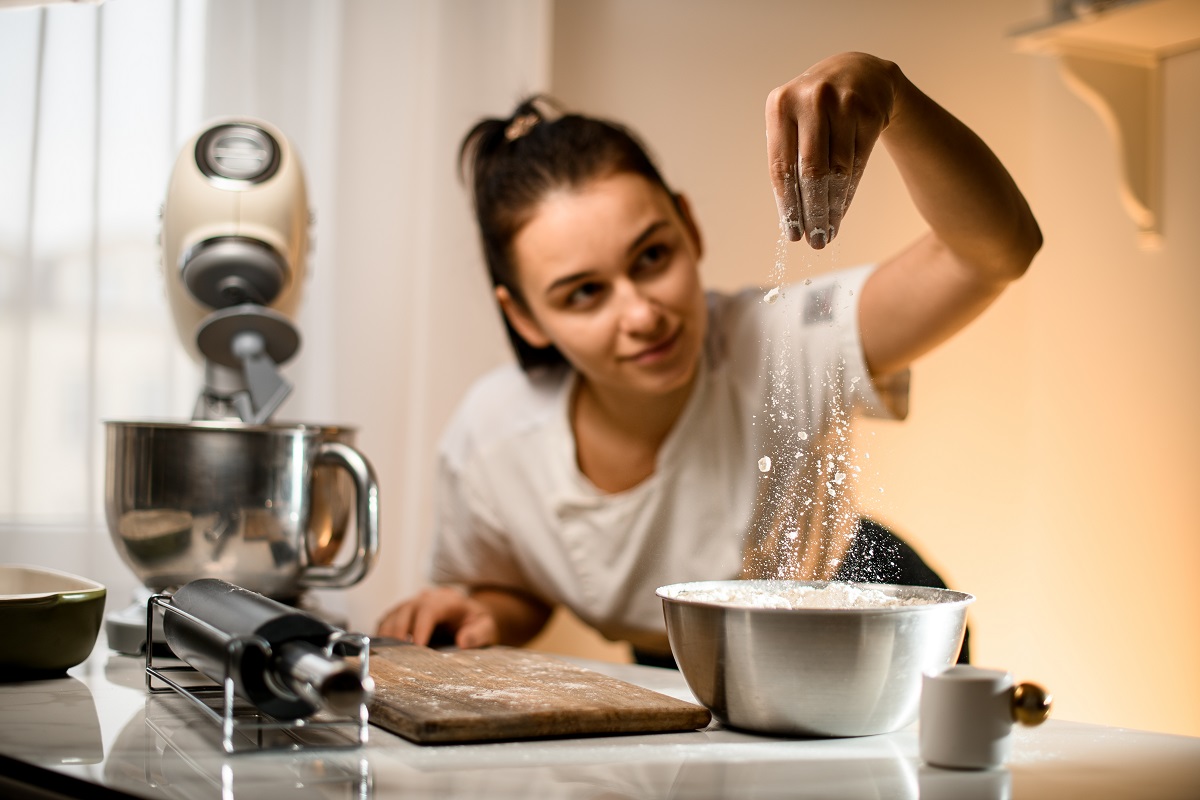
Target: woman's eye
584,294
652,258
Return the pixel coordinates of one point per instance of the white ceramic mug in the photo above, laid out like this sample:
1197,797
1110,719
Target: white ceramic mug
967,714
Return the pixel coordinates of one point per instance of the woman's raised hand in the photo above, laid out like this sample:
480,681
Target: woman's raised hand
821,128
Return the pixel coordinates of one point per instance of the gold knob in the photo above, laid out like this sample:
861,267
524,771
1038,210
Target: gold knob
1030,704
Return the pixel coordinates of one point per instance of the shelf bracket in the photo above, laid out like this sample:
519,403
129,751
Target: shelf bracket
1128,98
1113,59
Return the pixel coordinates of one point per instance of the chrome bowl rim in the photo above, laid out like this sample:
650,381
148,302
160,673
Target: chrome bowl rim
953,597
232,426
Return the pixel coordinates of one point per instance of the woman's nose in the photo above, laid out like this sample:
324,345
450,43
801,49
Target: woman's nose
640,314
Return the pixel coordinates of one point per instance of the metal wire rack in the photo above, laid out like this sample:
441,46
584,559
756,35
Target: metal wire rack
258,731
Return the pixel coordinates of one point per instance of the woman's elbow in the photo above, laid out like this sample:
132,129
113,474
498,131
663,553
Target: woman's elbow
1030,242
1015,252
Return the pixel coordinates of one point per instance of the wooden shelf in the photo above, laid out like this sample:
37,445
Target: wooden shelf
1147,29
1112,58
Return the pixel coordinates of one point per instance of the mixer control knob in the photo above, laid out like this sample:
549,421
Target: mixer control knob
238,152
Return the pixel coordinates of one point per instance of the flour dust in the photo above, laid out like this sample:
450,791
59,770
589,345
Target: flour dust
806,516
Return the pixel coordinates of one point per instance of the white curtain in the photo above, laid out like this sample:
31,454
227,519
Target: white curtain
95,100
396,319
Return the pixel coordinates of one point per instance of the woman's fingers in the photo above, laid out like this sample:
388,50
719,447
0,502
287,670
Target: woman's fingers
798,151
418,618
428,616
864,142
478,630
821,128
841,159
781,156
397,623
814,140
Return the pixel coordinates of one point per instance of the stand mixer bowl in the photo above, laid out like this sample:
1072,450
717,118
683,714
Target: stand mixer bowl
265,507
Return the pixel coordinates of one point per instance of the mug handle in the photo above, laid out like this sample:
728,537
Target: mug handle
366,495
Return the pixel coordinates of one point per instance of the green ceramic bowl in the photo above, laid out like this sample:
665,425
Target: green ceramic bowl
49,621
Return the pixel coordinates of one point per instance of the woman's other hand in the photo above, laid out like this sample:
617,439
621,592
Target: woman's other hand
484,617
416,619
821,128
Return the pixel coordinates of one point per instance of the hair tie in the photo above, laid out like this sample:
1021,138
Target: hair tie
520,126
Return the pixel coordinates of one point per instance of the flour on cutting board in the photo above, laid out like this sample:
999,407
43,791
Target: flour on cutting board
506,693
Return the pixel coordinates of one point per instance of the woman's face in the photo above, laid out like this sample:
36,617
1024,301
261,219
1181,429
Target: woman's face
609,274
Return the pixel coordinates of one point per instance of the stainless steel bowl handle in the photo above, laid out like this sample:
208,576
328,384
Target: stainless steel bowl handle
366,513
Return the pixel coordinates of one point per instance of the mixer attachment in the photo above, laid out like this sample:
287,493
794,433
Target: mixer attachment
252,341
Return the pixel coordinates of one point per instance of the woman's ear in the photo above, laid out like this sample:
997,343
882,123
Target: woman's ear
689,222
520,319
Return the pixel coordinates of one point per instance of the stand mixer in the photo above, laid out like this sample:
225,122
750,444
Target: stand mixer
231,494
235,241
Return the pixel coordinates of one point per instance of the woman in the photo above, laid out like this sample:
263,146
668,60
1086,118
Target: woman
655,433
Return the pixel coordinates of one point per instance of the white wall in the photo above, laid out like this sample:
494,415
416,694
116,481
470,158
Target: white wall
1049,462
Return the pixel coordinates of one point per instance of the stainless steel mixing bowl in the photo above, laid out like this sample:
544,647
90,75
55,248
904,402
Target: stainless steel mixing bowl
812,671
261,506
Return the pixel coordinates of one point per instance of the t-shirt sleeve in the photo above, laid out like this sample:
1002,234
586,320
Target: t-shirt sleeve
809,336
840,292
823,330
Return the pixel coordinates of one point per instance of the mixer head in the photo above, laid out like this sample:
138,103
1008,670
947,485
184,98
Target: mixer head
234,247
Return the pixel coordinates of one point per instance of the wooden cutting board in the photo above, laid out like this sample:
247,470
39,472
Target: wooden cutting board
436,696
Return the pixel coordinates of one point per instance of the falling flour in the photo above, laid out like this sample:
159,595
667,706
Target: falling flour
833,595
806,515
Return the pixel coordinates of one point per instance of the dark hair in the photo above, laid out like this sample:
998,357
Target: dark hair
511,164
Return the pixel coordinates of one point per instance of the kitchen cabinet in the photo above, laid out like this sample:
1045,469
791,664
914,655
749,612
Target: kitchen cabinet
97,733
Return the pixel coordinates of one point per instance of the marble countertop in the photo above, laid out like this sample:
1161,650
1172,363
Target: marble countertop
98,733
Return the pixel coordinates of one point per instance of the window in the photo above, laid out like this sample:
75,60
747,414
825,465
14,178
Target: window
97,100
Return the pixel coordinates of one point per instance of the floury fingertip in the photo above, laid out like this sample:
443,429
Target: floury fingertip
791,227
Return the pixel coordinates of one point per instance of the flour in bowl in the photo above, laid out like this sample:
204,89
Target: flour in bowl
833,595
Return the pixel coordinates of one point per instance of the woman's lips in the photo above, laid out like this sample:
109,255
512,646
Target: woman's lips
657,352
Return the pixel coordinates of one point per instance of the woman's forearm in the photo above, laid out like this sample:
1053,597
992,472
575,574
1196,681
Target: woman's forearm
959,186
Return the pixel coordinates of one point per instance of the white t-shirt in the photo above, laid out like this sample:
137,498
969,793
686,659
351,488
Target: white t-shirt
513,509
